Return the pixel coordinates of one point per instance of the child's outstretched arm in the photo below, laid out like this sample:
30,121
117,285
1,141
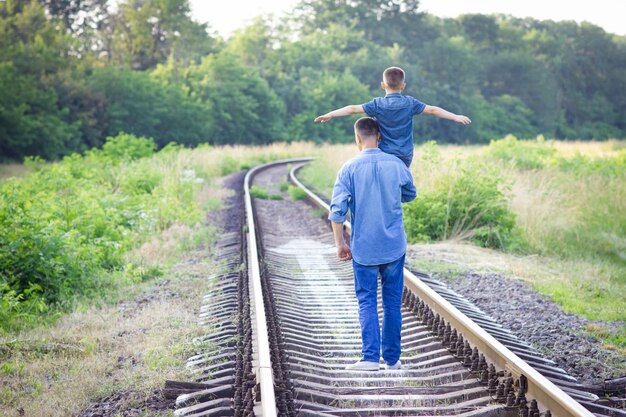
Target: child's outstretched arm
445,114
344,111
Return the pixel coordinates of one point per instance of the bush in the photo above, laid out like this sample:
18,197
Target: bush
524,155
65,228
126,147
466,203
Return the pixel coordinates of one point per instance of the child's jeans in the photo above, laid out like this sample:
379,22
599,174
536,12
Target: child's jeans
406,159
366,285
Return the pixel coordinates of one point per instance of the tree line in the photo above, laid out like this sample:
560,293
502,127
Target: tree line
74,72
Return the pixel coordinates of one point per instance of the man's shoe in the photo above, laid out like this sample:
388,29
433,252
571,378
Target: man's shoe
396,366
363,366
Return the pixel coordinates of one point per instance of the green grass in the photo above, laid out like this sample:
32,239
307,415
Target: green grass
614,340
297,193
258,192
437,267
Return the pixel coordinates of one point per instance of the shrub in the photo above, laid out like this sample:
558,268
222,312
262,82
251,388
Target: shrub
127,147
67,225
524,155
468,202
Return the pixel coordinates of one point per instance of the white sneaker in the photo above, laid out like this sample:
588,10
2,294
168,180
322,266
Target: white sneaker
396,366
363,366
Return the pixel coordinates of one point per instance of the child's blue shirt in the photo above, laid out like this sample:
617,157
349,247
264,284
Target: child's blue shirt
394,114
372,186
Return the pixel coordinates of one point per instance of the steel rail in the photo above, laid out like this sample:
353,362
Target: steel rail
261,346
549,396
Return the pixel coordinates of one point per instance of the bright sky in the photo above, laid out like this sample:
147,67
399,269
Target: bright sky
224,16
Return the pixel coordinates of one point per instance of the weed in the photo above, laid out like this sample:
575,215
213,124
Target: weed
297,193
258,192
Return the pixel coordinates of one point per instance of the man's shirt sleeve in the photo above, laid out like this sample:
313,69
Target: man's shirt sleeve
417,106
341,197
409,192
370,108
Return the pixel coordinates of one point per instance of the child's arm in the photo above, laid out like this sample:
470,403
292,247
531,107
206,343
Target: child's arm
344,111
445,114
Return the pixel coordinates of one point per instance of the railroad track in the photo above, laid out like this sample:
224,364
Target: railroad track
282,323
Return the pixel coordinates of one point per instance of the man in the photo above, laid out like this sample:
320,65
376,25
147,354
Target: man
372,186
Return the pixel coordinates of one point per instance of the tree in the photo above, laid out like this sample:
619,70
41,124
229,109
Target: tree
79,16
140,104
33,52
320,93
243,107
144,33
30,121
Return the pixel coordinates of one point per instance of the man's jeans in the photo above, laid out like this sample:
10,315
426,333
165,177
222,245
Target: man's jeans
366,285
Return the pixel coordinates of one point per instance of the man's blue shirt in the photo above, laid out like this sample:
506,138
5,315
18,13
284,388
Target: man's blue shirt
372,186
394,114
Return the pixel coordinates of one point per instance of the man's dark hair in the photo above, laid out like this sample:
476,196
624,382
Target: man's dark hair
366,127
394,77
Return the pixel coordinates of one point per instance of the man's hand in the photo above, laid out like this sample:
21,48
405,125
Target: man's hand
323,118
464,120
343,252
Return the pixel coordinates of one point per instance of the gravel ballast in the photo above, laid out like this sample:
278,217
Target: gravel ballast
533,317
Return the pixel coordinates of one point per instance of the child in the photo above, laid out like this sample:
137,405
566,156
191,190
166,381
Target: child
394,114
372,186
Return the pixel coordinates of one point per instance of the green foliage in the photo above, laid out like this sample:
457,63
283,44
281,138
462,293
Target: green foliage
65,228
73,73
321,93
523,155
258,192
125,147
140,104
468,202
30,121
297,193
243,106
147,32
581,165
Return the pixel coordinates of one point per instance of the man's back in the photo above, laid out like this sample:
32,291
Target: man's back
372,186
394,114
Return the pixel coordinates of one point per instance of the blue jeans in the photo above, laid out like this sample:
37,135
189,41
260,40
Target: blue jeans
366,286
407,161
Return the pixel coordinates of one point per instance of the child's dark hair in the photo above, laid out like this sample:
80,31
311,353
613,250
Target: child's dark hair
366,127
394,77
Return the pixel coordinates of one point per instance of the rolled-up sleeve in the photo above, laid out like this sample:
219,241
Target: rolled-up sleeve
340,199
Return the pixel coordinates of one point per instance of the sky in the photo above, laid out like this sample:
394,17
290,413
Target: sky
224,16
